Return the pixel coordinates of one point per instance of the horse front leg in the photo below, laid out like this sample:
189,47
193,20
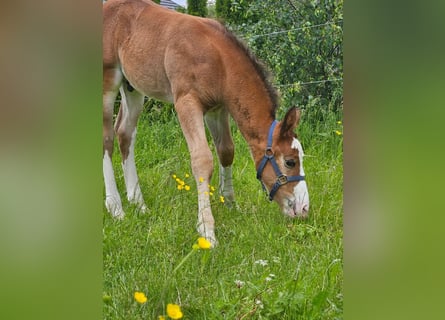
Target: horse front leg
192,123
218,123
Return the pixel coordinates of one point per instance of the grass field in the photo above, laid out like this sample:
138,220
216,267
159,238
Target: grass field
266,266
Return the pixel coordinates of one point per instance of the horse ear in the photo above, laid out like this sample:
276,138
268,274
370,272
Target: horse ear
290,122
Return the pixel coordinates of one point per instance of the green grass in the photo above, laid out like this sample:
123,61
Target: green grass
304,257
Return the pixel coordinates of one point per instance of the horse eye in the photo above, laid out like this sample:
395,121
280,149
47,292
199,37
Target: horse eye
289,163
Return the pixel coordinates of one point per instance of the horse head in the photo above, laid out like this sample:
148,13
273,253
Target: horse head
281,168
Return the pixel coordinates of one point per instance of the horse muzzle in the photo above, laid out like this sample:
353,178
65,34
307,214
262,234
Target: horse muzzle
301,210
297,204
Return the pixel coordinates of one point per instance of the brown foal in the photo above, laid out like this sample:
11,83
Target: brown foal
209,75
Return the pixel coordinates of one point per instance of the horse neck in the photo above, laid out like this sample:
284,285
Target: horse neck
253,115
247,96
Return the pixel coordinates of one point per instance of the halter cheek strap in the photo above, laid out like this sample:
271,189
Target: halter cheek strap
282,179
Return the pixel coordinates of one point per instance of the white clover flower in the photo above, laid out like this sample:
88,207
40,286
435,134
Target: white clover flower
270,277
239,283
259,303
261,262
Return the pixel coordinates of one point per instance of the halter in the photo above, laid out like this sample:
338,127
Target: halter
282,179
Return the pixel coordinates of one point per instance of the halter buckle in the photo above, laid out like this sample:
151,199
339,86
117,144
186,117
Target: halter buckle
282,179
268,153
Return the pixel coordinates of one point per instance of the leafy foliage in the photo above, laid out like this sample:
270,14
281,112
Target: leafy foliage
197,7
232,12
301,42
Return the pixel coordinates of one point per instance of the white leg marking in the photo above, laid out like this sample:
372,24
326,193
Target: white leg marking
113,201
134,194
226,183
206,222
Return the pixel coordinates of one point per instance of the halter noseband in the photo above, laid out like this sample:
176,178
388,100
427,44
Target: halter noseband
282,179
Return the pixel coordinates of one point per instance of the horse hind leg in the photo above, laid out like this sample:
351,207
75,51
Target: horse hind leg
125,127
218,124
111,82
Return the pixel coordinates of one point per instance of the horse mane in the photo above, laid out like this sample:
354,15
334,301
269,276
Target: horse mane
261,69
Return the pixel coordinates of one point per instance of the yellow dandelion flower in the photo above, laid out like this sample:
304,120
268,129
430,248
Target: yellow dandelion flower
140,297
187,188
177,180
339,122
212,188
180,187
203,243
339,133
187,175
174,311
201,179
221,199
174,176
211,194
161,318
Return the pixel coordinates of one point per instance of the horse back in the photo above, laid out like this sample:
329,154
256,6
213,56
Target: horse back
162,53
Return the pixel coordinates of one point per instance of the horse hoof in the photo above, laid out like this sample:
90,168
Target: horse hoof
118,215
114,208
143,208
214,242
